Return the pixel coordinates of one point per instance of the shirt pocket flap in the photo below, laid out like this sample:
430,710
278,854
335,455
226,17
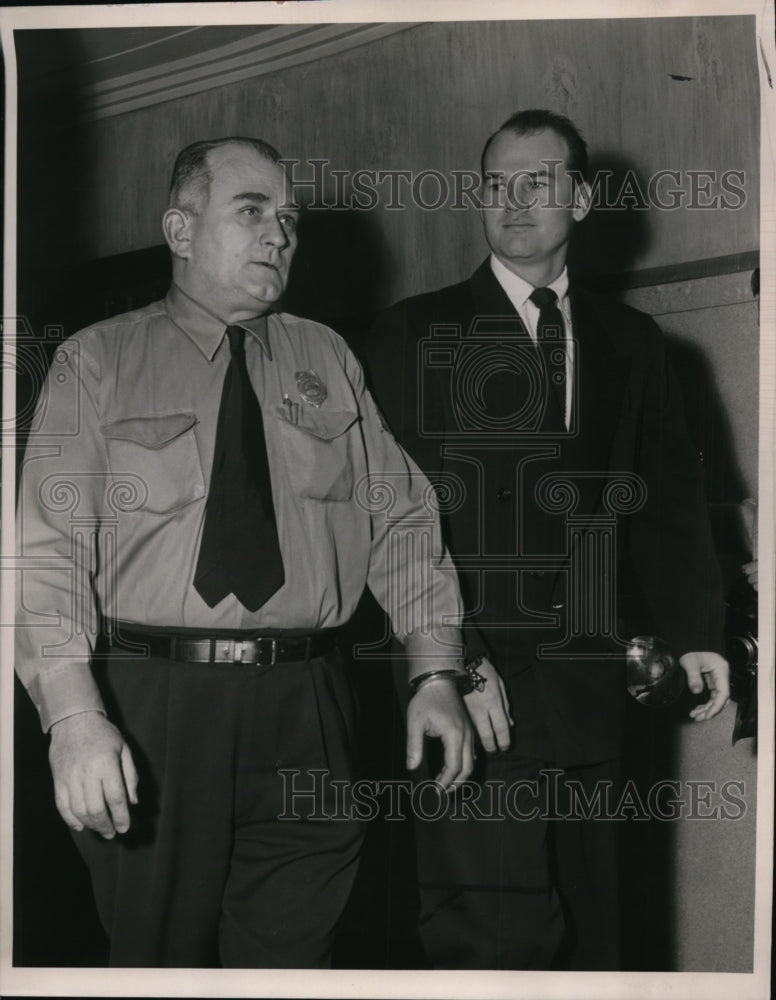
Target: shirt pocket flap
159,457
326,425
317,451
150,432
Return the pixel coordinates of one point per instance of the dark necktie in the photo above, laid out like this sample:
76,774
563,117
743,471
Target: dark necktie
240,552
550,337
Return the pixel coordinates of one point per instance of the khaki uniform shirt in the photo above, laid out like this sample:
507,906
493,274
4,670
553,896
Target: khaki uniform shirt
116,476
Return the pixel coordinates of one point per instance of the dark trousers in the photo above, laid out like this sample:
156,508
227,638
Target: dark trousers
514,876
208,873
505,881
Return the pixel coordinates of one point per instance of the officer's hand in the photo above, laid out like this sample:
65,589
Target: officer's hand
489,710
94,775
436,709
712,668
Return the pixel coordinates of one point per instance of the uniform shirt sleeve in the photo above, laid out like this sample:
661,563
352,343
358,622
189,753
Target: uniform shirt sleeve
411,573
61,484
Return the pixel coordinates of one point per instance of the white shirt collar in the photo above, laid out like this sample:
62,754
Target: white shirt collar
519,290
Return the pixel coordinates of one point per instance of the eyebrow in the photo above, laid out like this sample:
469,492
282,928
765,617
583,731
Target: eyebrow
261,198
251,196
492,175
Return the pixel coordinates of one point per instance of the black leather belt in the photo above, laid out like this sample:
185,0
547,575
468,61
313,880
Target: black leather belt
261,650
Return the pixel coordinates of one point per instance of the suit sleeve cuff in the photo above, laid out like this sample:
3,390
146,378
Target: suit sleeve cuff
475,645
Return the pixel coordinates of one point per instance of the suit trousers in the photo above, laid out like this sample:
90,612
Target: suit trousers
521,872
228,860
515,876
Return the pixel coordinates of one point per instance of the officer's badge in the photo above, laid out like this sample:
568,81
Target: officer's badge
310,387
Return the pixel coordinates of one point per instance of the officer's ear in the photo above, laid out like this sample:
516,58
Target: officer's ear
177,225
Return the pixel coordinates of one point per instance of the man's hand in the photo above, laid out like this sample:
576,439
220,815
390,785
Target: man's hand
437,710
714,669
94,775
489,710
750,572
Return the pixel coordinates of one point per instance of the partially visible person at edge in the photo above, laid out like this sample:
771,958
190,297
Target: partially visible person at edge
528,401
199,485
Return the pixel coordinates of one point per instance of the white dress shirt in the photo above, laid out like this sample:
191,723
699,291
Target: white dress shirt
518,291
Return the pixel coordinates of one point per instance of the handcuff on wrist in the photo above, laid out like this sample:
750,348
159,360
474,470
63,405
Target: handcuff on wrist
467,680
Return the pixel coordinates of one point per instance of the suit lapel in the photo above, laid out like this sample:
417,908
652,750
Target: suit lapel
600,373
488,297
494,313
600,377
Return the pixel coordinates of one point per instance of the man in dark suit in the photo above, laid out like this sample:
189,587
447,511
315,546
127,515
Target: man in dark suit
552,426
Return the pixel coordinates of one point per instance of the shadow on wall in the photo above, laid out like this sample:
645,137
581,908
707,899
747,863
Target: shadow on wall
342,271
707,421
54,152
54,919
616,231
53,155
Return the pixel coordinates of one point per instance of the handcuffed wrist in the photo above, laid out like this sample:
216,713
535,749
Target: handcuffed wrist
466,680
456,677
476,679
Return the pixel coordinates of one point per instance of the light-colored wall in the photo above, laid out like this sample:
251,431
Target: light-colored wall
712,869
428,97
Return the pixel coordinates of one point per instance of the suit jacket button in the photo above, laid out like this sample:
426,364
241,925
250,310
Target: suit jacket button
503,494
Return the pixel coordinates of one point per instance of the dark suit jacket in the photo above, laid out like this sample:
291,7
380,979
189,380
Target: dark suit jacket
439,367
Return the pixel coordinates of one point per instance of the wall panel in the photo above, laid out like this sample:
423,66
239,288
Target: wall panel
427,97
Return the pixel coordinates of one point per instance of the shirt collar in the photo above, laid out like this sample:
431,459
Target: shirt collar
519,290
204,327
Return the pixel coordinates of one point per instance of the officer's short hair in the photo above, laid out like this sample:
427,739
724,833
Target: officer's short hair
191,175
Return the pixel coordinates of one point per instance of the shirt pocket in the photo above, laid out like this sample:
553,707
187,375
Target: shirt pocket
161,456
318,452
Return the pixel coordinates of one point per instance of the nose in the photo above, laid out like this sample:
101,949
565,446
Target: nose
520,196
273,234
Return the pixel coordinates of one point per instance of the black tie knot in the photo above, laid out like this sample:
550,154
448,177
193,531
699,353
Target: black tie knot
543,297
236,335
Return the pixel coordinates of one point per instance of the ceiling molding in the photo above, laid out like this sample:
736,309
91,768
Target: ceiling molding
259,53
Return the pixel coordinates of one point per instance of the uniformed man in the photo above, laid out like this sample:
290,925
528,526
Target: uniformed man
209,486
